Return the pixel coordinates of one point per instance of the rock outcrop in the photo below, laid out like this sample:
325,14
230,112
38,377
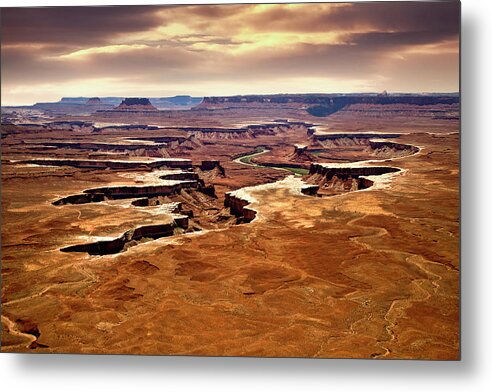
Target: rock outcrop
387,149
334,179
127,192
248,132
239,209
93,101
136,105
209,165
114,164
321,105
130,238
344,171
349,139
301,154
173,183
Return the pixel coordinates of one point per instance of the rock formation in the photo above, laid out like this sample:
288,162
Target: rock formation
238,208
348,139
130,238
136,105
301,154
93,101
128,192
338,178
180,163
322,105
386,149
210,165
345,171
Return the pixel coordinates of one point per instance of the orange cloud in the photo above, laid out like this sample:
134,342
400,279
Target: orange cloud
229,49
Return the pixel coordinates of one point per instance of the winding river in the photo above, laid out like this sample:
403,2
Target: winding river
246,160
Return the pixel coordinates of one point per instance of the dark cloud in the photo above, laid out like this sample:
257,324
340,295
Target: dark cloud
395,40
213,11
437,19
375,41
437,16
74,25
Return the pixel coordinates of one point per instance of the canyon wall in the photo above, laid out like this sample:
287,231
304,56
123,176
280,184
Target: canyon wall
238,208
341,171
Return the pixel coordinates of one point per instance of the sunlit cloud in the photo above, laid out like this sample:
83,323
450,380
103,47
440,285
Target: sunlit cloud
228,49
84,53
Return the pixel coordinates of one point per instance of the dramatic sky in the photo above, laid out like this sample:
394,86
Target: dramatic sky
202,50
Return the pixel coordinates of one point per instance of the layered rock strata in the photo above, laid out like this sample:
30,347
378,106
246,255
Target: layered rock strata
112,164
136,105
129,192
130,238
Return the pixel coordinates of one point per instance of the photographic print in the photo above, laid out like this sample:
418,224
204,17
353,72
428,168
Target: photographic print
257,180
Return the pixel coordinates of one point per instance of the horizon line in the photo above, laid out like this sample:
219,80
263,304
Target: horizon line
238,95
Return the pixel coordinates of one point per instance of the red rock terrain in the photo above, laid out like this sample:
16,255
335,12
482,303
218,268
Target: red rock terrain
183,246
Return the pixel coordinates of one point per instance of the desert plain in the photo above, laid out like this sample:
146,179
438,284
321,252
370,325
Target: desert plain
238,226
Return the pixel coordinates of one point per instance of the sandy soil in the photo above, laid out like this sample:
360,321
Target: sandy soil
372,273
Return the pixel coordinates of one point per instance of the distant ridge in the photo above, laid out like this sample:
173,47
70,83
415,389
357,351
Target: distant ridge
93,101
159,102
322,105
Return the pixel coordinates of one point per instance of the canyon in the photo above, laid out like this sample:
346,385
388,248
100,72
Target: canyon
239,226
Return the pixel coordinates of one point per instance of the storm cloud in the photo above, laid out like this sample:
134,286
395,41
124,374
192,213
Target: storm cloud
48,53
